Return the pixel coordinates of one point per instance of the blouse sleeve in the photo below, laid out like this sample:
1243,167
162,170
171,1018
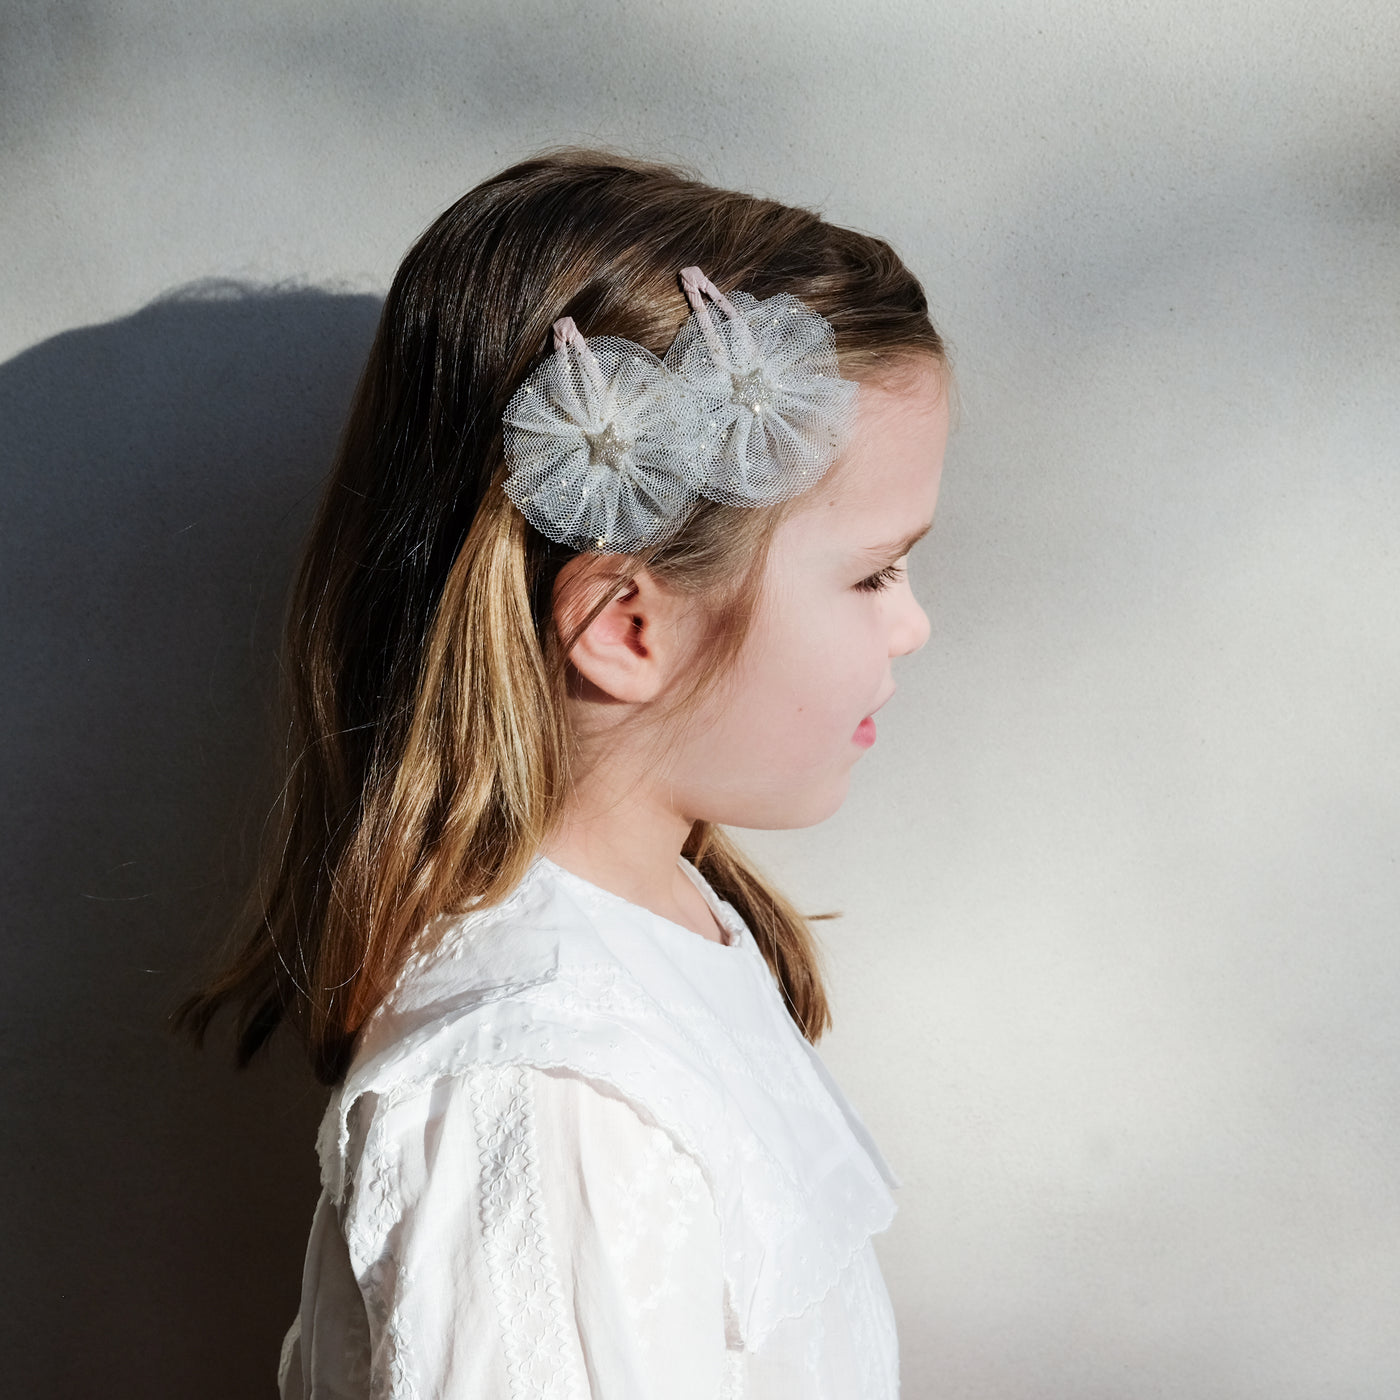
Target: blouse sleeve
535,1237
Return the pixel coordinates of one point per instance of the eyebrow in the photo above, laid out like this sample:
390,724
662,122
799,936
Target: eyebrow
895,549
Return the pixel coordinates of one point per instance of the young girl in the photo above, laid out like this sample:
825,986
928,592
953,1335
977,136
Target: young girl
612,557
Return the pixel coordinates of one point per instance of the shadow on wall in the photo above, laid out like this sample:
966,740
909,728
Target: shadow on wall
156,476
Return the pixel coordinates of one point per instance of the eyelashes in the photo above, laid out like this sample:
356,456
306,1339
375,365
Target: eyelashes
891,573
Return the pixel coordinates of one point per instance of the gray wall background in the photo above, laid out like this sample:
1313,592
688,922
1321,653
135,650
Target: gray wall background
1117,983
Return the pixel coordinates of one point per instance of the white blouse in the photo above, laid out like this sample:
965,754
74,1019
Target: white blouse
584,1153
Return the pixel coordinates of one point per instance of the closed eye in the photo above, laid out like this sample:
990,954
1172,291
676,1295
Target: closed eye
891,573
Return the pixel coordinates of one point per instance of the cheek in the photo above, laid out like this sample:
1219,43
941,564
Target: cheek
813,675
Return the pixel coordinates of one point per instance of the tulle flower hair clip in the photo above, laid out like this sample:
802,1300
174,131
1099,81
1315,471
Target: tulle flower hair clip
609,448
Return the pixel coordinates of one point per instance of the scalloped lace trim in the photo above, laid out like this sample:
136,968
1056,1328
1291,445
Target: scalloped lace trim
529,1297
732,1385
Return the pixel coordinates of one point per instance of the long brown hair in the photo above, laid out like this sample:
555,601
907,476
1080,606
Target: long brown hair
430,750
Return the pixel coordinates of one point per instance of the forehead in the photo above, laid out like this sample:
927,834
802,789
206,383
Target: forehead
886,485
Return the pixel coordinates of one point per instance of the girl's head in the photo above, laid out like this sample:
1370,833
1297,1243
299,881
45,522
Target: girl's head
455,675
770,739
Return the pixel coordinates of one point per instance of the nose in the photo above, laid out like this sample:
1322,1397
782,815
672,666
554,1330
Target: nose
910,629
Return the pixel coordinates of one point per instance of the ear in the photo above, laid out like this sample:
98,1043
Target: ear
634,646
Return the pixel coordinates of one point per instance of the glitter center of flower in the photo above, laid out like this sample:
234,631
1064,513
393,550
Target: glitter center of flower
610,448
753,391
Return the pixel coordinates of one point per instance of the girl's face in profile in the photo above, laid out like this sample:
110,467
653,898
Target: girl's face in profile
775,748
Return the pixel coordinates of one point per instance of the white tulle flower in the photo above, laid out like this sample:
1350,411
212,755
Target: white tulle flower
779,412
598,440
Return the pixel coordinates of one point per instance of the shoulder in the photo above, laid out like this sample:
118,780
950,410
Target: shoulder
540,980
464,960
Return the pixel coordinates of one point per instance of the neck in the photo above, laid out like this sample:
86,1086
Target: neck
627,841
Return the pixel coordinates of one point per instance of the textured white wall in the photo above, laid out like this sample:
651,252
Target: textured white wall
1117,983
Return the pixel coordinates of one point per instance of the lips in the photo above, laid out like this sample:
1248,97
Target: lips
865,730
